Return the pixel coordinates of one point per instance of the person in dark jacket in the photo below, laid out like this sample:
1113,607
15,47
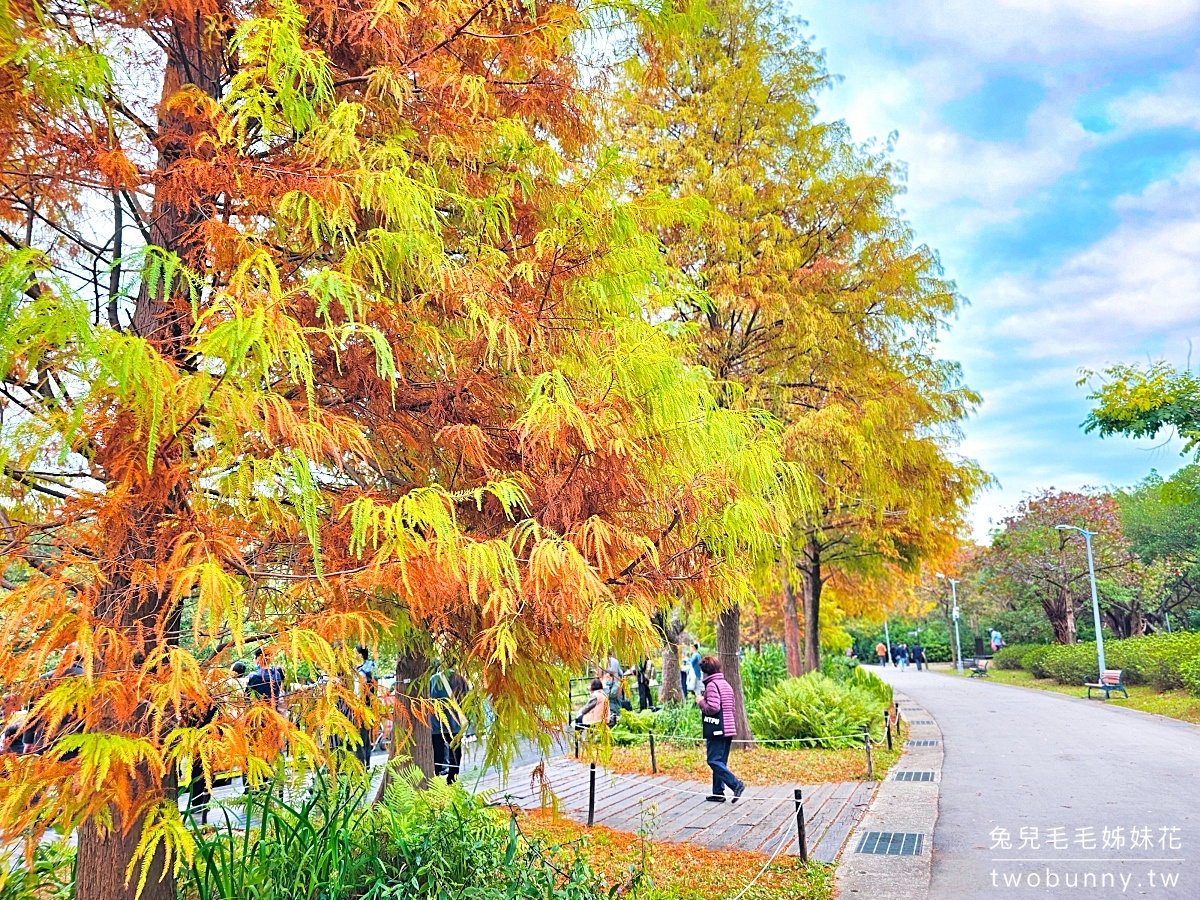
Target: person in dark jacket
447,690
716,710
644,673
918,654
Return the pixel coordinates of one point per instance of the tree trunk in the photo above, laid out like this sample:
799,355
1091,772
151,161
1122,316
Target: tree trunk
791,620
101,862
162,318
812,580
728,644
1061,614
670,691
412,736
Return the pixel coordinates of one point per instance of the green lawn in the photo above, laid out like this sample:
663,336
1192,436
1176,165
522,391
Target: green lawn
1175,704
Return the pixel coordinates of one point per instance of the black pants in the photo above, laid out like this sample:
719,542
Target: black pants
718,758
644,696
363,751
199,795
447,756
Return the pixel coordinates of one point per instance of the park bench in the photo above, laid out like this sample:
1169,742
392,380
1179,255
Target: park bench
979,667
1110,680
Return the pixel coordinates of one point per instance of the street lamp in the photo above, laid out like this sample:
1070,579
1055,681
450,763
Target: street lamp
1087,537
954,598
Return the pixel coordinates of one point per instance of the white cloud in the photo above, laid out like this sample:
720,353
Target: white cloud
1173,104
1138,283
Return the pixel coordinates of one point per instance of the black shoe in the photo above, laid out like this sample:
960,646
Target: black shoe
738,791
715,798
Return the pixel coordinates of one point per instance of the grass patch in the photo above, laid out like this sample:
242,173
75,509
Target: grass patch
759,765
1173,704
680,871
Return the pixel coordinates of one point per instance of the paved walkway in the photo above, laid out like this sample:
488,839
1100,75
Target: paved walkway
671,810
1018,758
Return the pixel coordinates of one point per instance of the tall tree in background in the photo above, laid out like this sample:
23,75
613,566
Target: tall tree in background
815,304
323,339
1030,561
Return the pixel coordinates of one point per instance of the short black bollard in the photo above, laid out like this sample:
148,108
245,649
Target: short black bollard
577,743
887,721
653,759
867,747
801,837
592,795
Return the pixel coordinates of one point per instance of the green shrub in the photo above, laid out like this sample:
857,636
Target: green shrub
838,666
1010,657
762,670
1032,660
1156,659
868,681
815,707
678,720
632,726
1189,673
416,844
50,878
1070,663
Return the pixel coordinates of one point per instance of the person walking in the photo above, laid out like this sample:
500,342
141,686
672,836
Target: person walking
918,654
695,676
644,673
997,639
902,657
368,686
446,690
881,652
717,716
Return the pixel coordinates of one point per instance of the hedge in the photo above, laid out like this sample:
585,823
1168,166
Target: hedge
1165,661
1010,657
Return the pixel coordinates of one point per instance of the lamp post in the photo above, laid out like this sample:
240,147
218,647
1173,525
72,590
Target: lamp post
1087,538
888,639
954,600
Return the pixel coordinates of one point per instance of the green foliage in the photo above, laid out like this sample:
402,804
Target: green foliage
50,878
678,720
815,707
632,726
868,681
837,666
1010,657
1164,661
762,670
1032,660
416,844
1140,402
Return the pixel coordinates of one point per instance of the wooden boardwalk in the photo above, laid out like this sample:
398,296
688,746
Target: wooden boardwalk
671,810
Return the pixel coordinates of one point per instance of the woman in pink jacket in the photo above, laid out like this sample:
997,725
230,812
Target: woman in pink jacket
716,713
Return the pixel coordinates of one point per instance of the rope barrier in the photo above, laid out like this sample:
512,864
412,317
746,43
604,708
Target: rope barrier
675,790
753,881
643,737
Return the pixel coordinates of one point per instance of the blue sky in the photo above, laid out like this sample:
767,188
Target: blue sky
1053,151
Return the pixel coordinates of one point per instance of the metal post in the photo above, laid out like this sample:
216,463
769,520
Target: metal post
577,743
887,639
1087,537
653,760
887,723
592,795
867,747
957,642
801,837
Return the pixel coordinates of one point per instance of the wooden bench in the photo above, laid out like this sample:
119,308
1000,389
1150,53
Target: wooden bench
1110,680
979,667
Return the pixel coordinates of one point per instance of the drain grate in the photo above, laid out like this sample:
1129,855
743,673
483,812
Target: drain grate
921,722
891,843
914,776
920,743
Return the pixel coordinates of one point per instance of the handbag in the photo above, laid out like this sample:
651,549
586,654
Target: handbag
714,726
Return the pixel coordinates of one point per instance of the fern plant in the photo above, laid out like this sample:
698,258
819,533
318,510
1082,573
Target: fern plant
815,711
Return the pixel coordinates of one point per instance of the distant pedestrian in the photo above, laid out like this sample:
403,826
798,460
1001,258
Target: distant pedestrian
446,690
902,657
717,716
881,652
695,675
997,640
918,654
368,688
644,673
